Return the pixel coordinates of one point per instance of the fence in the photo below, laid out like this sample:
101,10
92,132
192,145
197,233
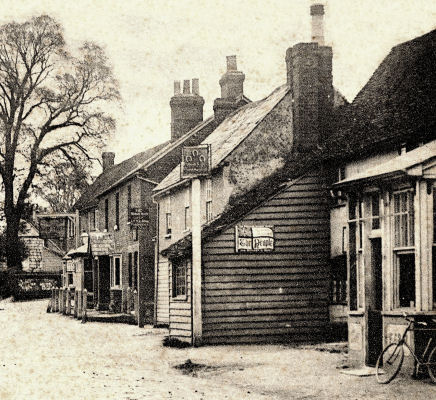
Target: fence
28,285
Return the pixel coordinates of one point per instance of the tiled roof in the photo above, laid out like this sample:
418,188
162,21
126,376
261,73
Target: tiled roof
101,243
113,174
232,131
397,103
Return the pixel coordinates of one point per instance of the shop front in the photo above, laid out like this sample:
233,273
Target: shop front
391,258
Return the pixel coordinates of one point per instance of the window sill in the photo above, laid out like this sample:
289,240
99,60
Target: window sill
356,313
116,288
180,298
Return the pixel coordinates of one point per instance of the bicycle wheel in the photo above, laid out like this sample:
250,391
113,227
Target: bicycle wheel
432,365
389,362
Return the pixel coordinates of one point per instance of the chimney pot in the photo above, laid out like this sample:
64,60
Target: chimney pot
317,13
108,159
176,88
187,86
195,86
231,63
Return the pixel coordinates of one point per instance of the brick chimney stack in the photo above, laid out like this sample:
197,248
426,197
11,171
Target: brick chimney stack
108,159
232,90
317,13
186,108
309,76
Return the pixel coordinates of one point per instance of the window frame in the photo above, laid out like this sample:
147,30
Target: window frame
187,214
117,211
113,281
176,265
106,214
208,195
168,217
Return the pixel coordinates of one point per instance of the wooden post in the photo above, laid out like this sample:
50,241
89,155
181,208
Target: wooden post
75,304
196,262
79,304
68,312
61,300
128,299
52,300
135,302
56,305
123,300
85,305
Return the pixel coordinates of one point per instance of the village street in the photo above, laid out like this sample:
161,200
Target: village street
51,356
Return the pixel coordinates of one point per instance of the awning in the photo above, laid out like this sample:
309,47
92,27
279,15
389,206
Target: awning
77,252
405,164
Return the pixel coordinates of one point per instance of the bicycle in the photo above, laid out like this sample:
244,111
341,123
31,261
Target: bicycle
391,358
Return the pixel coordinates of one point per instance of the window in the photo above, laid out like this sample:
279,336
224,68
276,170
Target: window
117,210
88,275
135,270
106,214
356,235
130,267
403,219
208,200
179,271
129,201
135,233
187,210
375,210
404,252
92,220
116,271
338,291
71,227
70,278
168,222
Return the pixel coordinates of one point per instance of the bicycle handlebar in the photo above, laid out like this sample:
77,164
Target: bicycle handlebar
406,317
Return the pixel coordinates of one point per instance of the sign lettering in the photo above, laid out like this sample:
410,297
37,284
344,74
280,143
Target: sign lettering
196,161
254,239
52,228
139,216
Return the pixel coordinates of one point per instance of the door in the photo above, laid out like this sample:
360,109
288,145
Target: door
375,303
103,282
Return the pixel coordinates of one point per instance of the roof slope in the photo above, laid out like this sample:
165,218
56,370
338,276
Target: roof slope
232,131
113,174
397,103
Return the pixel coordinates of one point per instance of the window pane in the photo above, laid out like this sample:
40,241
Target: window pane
352,208
375,208
117,271
406,269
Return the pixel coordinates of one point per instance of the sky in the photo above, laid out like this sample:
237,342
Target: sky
152,43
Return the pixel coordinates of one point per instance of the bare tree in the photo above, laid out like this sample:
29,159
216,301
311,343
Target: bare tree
50,109
63,185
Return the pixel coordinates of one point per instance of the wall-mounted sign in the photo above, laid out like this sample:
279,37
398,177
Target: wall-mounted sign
196,161
139,216
254,238
52,228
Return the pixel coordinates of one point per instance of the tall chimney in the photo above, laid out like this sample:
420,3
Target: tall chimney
186,108
232,90
309,76
108,159
317,13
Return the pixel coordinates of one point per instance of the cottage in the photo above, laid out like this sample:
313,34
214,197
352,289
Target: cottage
262,273
387,189
118,215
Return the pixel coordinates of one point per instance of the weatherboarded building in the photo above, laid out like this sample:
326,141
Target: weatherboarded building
265,219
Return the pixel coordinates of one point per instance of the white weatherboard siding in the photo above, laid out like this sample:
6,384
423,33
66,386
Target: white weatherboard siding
163,304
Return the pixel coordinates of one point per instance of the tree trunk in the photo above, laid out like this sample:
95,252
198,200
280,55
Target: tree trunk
13,257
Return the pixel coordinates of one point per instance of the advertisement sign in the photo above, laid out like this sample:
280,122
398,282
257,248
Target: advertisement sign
52,228
196,161
139,216
254,238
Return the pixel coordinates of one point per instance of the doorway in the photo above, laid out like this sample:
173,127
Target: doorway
103,283
374,303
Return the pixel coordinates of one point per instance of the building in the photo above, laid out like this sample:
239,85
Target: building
119,247
262,273
387,186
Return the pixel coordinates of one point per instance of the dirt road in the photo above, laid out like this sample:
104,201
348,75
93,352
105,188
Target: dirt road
50,356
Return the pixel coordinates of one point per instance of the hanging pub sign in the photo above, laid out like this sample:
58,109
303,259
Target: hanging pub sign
254,238
139,216
52,228
196,161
